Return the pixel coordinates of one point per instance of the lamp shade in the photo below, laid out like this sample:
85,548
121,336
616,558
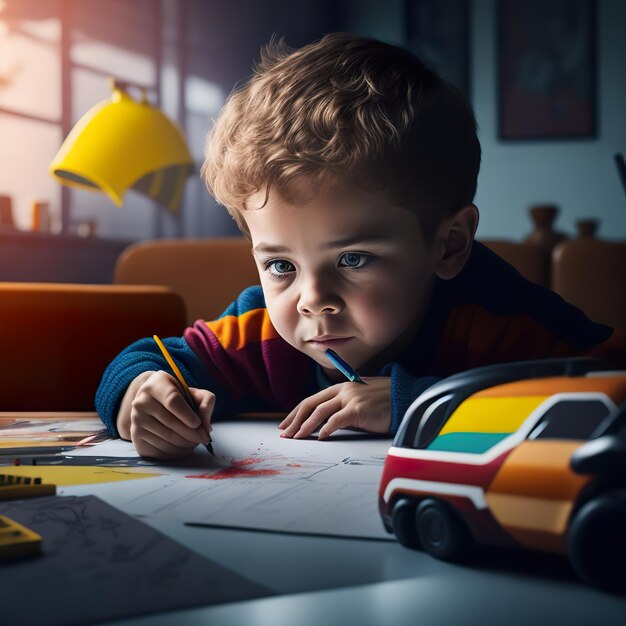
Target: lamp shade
122,143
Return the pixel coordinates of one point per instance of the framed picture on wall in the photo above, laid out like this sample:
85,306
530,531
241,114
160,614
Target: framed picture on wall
437,32
546,69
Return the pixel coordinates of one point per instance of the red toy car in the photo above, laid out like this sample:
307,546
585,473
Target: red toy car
531,454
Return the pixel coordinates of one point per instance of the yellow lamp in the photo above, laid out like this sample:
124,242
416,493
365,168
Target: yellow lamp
122,143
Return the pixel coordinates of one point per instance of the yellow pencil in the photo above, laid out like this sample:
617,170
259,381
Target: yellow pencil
184,387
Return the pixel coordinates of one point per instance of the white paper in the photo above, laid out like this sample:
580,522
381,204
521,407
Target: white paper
259,480
111,447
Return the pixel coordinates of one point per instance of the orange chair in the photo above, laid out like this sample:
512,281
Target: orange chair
590,273
208,273
527,258
56,339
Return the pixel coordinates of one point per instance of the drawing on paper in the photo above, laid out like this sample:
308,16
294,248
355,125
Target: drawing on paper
238,469
262,481
16,432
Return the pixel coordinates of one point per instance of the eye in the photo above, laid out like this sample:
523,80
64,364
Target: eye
279,268
354,260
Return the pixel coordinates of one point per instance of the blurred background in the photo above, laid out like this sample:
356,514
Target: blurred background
546,80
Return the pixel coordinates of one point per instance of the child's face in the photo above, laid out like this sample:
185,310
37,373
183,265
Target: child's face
347,270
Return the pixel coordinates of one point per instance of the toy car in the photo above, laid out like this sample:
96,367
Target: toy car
531,454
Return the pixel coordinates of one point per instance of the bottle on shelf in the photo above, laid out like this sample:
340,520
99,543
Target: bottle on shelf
544,235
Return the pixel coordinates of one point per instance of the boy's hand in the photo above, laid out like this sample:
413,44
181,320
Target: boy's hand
345,405
160,422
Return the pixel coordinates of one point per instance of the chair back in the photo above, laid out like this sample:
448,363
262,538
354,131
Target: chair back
56,339
591,273
529,259
208,273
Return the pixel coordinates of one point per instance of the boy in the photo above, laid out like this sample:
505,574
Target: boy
352,169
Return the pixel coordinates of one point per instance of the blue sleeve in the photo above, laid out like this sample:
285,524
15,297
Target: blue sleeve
404,389
145,356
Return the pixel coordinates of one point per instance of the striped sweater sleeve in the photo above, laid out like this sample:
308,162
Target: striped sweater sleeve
143,356
244,354
239,357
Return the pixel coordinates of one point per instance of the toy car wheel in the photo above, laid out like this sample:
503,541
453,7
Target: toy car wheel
403,522
596,542
441,533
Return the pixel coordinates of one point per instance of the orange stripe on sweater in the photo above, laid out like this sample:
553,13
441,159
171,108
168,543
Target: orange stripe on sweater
234,332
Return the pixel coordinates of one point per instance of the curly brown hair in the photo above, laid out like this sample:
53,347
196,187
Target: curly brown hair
347,108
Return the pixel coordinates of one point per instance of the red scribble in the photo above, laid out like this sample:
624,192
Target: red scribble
239,470
243,462
294,465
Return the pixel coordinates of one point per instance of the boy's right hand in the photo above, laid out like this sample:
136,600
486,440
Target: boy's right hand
157,419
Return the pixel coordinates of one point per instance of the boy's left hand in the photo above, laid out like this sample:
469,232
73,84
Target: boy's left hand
344,405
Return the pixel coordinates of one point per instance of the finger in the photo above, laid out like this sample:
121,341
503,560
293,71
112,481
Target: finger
176,404
167,434
317,417
340,419
147,410
290,416
187,420
301,412
205,401
148,444
144,449
166,390
142,438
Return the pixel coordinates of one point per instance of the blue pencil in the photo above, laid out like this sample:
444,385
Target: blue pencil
343,367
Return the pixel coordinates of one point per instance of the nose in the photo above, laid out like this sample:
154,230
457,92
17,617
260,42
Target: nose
318,296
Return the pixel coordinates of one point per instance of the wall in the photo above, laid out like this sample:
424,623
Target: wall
579,176
221,44
188,54
224,40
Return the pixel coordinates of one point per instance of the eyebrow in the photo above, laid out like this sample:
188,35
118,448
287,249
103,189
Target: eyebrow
362,240
358,240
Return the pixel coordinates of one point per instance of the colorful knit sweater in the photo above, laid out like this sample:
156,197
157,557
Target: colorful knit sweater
488,314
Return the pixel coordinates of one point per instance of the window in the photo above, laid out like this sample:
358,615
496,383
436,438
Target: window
30,104
55,58
570,419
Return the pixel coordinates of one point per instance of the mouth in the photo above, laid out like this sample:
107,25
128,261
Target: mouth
325,342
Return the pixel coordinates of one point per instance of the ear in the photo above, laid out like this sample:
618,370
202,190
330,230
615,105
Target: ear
454,239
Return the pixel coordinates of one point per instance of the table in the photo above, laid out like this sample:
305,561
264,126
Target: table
347,581
332,580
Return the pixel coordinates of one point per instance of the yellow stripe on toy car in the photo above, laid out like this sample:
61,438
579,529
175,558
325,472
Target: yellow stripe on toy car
491,415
